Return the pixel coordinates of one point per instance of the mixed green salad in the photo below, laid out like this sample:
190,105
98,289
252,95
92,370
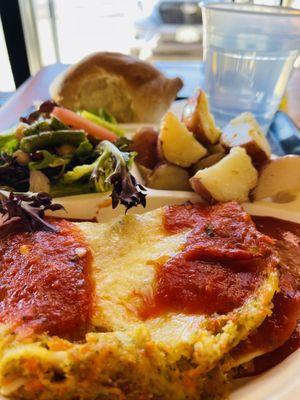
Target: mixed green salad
63,153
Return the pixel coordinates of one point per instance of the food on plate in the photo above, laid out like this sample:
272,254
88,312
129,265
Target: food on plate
103,119
208,161
222,170
281,175
177,144
62,153
244,131
216,148
168,177
144,143
279,334
130,89
70,118
231,178
144,171
145,306
200,121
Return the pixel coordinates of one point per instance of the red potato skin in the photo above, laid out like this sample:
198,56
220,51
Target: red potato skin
195,122
260,168
160,152
201,190
145,144
258,156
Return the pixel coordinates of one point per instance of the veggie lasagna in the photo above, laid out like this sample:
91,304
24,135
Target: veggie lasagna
171,304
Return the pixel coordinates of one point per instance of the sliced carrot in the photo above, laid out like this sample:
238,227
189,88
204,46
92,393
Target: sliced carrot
69,117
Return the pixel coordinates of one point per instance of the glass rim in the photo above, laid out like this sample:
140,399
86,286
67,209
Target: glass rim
253,9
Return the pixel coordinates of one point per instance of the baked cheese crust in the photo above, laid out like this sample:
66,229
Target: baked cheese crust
170,356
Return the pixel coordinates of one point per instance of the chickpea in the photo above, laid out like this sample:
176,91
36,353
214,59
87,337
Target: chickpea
19,132
65,150
21,157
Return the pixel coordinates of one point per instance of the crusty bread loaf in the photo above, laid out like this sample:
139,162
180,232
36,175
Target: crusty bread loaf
130,89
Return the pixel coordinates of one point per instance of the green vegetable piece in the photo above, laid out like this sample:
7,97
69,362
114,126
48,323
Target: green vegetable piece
102,113
84,149
48,160
78,173
8,143
112,172
57,125
36,128
102,122
44,140
60,189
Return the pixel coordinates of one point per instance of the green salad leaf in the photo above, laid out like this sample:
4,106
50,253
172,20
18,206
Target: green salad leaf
48,160
78,173
106,116
112,126
8,143
60,189
84,149
110,171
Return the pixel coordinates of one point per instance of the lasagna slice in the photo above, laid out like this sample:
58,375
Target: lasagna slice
145,306
279,334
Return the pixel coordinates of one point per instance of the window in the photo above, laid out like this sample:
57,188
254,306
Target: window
6,78
67,30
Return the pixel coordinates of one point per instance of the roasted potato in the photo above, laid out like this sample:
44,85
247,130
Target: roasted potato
201,122
215,148
278,176
231,179
145,144
208,161
177,145
169,177
144,171
244,131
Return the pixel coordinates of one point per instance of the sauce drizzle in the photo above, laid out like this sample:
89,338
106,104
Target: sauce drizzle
44,282
222,262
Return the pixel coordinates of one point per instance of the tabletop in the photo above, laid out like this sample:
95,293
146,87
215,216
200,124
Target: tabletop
36,89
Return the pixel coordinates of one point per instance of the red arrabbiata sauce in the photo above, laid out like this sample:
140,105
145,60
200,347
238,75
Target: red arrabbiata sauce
279,331
222,262
44,281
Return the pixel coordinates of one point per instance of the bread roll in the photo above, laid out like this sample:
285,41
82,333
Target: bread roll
130,89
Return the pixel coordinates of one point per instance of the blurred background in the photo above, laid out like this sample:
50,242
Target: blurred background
63,31
149,29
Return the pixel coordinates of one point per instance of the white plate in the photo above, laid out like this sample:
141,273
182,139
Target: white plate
281,382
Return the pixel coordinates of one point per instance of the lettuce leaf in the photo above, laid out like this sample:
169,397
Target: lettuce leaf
110,172
8,143
102,113
60,189
113,127
84,149
79,173
48,160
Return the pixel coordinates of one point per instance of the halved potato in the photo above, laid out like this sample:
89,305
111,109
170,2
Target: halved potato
145,144
169,177
208,161
216,148
177,145
231,179
144,171
201,122
244,131
278,176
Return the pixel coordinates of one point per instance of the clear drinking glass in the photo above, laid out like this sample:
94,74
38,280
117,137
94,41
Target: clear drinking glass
249,53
